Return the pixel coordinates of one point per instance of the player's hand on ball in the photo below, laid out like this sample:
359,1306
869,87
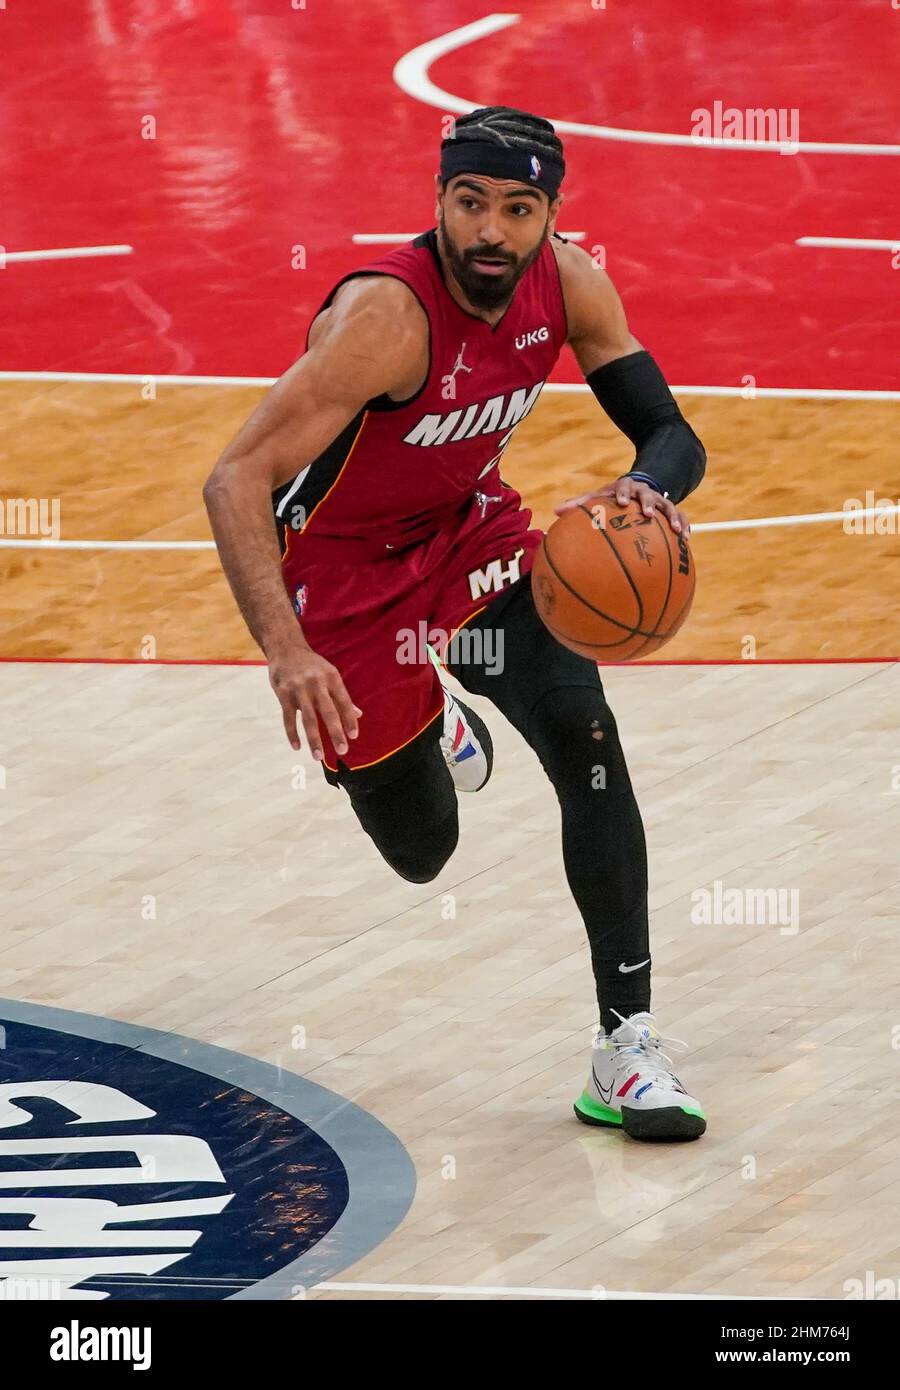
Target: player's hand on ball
307,684
626,490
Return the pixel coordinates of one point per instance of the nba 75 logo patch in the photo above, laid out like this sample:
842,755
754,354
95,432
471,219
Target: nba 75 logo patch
300,600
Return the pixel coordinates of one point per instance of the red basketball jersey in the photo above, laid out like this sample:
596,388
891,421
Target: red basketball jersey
401,471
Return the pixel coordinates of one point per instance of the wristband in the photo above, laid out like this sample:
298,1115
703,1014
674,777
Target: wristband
644,478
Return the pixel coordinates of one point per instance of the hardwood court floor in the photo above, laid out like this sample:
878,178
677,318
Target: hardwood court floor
459,1012
126,468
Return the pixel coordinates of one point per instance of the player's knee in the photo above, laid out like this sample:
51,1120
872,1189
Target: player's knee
573,714
573,731
421,859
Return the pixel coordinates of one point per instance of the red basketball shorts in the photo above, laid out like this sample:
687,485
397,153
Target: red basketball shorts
370,611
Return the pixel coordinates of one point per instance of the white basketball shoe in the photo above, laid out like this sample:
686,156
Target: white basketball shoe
466,745
465,742
632,1085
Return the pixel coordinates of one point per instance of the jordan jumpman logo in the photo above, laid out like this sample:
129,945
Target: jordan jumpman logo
459,364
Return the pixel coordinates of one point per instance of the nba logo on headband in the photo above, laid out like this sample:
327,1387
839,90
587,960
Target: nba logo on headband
535,167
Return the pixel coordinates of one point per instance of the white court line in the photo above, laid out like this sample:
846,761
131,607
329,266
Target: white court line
39,543
532,1291
140,378
804,519
65,253
850,243
743,524
411,76
393,238
787,393
763,392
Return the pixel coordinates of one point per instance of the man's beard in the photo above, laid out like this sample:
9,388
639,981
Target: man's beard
487,291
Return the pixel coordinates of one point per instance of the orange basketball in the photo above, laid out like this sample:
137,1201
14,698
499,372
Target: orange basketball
611,583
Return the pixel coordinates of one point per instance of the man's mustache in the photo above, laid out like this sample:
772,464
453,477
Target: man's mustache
486,254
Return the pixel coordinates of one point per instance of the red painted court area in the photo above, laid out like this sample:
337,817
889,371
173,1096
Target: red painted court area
278,127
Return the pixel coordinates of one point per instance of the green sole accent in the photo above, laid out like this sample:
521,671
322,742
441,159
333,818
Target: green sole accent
435,659
602,1113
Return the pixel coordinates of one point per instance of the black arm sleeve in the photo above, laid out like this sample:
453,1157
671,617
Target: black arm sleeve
634,394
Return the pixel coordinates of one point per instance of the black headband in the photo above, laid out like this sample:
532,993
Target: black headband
501,162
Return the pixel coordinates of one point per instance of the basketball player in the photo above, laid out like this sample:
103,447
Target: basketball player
380,451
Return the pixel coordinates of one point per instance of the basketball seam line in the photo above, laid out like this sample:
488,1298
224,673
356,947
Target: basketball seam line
625,627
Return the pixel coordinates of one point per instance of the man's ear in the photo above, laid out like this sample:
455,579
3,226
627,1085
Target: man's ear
438,196
554,212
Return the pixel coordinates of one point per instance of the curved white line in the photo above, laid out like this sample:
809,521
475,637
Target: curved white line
411,76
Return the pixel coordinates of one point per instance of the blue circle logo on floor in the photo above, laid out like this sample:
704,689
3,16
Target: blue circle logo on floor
136,1164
